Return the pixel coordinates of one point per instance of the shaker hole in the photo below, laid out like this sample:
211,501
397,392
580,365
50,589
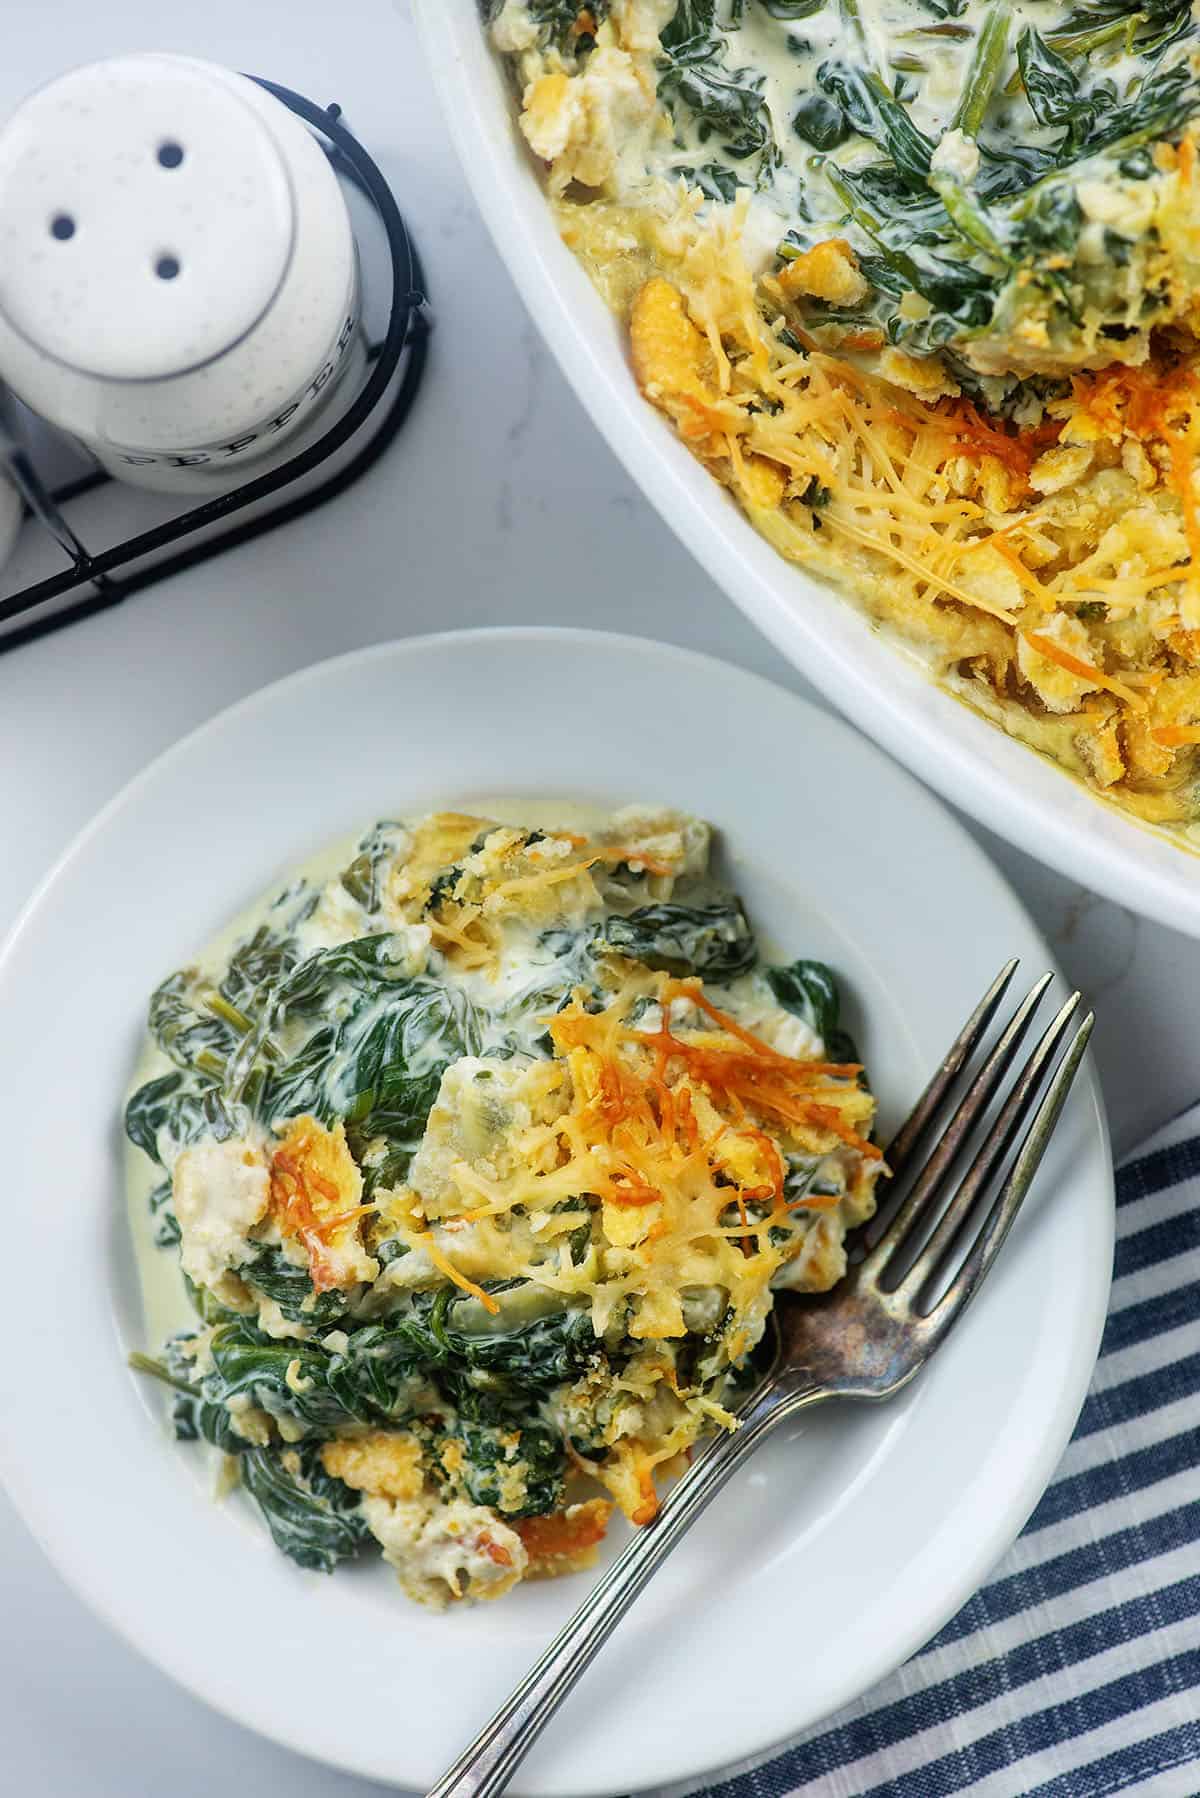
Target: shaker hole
62,226
167,267
170,154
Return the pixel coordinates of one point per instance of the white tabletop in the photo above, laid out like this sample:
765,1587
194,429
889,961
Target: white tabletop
499,504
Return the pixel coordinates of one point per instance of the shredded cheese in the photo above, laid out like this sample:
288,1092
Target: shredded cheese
1092,511
678,1135
315,1198
445,1266
1054,652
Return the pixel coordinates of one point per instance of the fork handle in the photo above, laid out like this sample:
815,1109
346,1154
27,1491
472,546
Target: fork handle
486,1767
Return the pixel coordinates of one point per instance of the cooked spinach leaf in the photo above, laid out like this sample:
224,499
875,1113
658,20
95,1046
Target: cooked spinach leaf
691,28
695,83
147,1112
714,941
287,1378
1145,28
363,879
196,1421
809,989
176,1110
192,1026
271,1273
315,1519
260,963
166,1227
376,1057
821,122
368,964
1166,101
961,297
864,99
1052,86
533,1352
727,104
714,180
520,1471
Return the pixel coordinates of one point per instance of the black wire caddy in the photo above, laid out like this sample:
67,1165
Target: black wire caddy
188,537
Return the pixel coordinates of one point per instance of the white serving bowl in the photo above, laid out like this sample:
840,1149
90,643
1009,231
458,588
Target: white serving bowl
1012,790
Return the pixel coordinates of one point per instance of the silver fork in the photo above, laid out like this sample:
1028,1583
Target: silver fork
916,1267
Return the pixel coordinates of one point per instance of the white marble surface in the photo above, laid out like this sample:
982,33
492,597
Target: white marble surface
499,504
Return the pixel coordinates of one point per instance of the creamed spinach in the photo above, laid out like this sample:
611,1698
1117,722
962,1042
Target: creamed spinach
480,1160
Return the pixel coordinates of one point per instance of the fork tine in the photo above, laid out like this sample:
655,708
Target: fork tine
934,1259
999,1221
883,1239
899,1150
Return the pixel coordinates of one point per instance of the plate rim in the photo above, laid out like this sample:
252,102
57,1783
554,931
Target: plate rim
1007,786
75,1568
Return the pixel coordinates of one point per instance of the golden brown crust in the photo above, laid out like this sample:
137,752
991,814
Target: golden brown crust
384,1463
565,1541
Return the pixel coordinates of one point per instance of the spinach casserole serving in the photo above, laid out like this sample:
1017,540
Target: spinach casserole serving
481,1159
919,282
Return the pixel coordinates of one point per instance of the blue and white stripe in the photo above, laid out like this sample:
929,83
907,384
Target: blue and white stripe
1075,1672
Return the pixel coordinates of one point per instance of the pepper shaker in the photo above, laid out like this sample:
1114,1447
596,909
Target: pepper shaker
178,275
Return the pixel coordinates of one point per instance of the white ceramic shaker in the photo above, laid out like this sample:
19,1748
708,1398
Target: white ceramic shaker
178,275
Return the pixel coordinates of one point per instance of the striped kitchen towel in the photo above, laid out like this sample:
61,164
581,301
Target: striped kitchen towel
1075,1671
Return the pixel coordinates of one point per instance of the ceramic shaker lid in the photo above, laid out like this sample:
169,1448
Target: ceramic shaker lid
146,218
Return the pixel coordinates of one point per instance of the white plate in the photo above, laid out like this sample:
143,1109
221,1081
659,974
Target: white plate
1015,792
831,1558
